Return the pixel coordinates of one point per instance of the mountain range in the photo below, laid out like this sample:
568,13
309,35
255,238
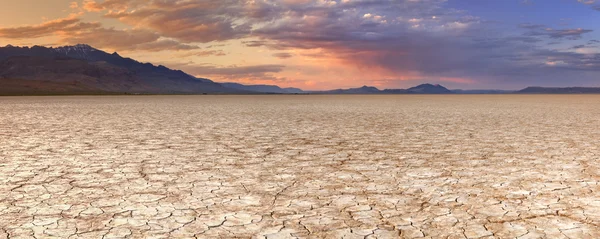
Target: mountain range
420,89
269,89
556,90
82,69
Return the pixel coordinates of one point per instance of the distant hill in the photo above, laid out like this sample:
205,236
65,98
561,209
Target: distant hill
556,90
293,90
429,89
362,90
273,89
81,69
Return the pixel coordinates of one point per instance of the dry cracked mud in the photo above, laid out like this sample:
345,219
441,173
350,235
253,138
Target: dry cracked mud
300,166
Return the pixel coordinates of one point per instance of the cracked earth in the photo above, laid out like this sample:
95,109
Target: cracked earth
300,166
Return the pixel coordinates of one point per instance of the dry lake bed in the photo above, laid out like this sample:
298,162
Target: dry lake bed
496,166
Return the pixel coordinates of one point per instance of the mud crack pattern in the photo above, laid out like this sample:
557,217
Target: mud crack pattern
300,167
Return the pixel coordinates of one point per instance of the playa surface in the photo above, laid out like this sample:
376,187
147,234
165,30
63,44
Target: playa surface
489,166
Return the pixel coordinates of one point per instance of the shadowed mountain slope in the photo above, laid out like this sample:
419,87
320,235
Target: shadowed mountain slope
556,90
273,89
83,67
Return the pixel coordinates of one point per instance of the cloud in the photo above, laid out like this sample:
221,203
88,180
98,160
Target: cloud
381,39
186,21
110,5
531,26
204,53
237,70
574,61
527,2
125,40
157,45
525,39
252,73
571,34
49,28
111,38
590,2
72,30
393,43
283,55
257,43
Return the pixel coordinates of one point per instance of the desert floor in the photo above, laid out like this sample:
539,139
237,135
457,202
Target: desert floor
502,166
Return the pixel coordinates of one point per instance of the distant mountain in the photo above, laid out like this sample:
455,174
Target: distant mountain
63,75
395,91
292,90
269,89
429,89
555,90
82,69
362,90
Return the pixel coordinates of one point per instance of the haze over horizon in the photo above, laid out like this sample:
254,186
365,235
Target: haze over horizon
328,44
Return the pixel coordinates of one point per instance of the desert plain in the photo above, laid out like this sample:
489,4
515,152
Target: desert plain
305,166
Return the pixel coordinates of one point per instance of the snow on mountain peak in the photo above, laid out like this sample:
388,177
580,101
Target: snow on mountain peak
81,50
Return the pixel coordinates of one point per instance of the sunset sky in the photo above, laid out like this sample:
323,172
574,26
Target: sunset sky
325,44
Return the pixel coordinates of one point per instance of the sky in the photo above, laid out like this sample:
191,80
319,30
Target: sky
327,44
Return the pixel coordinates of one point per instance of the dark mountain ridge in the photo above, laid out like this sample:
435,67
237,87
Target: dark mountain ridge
86,68
82,69
90,54
429,89
362,90
269,89
559,90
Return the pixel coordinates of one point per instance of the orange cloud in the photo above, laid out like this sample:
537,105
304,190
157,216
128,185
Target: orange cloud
203,53
110,5
71,30
73,5
186,21
69,24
